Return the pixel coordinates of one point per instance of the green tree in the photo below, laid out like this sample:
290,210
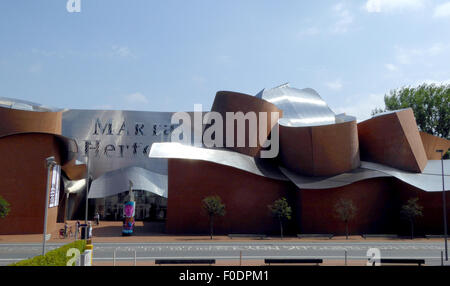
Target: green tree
281,211
213,207
345,211
4,207
430,103
410,211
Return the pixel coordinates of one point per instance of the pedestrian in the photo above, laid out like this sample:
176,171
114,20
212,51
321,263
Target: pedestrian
89,230
97,218
66,228
78,228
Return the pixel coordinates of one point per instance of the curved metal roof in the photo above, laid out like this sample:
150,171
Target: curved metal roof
306,182
116,182
429,180
25,105
301,107
229,158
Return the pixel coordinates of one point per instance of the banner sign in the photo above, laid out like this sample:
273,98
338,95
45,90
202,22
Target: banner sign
54,187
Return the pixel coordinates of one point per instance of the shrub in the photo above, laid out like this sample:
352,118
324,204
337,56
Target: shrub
56,257
4,207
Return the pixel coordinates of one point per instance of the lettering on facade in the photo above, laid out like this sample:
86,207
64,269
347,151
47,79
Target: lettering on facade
139,130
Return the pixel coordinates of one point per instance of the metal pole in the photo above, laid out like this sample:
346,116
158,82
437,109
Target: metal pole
240,258
66,209
87,188
444,204
135,258
49,163
345,257
114,258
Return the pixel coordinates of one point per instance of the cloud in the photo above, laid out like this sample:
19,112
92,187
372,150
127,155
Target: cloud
309,31
391,67
35,68
430,81
136,98
344,18
121,51
442,11
407,56
361,106
380,6
334,85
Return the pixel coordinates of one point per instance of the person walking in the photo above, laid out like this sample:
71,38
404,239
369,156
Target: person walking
78,229
66,228
97,218
89,230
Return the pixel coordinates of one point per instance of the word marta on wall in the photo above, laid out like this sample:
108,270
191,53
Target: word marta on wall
105,130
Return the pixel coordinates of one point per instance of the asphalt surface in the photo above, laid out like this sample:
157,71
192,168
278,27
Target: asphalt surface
103,252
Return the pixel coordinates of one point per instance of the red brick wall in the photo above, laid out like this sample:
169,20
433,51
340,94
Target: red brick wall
23,181
432,220
374,199
245,195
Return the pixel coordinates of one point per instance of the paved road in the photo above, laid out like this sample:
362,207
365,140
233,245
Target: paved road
430,251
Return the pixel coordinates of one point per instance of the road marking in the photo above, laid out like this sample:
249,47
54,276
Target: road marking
257,257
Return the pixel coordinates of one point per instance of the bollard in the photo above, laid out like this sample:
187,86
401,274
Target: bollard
91,248
135,258
240,258
86,258
345,257
442,258
114,258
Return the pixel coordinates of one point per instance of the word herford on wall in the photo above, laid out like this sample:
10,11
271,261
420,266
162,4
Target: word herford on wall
109,130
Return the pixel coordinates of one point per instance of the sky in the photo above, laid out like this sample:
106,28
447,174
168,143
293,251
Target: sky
169,55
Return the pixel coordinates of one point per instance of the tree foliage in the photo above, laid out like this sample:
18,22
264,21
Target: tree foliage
4,207
430,103
410,211
213,207
345,211
282,211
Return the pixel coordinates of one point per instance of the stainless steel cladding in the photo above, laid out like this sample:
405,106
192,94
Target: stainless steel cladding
257,166
117,181
117,139
301,107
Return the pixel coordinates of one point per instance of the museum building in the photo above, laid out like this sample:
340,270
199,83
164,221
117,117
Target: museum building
322,157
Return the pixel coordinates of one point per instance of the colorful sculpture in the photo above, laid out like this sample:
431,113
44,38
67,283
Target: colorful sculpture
128,213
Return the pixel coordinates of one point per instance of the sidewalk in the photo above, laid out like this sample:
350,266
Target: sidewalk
111,231
236,262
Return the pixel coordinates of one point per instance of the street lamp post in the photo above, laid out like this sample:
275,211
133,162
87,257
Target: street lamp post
444,204
87,189
86,229
50,162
